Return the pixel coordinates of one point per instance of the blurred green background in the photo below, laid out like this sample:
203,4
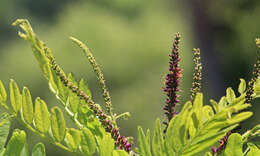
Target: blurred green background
131,40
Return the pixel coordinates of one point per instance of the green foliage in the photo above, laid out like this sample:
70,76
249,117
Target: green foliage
41,116
58,124
4,128
27,110
17,145
193,131
38,150
15,96
189,133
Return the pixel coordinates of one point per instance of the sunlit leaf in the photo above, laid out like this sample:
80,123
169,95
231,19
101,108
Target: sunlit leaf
17,144
158,141
27,106
83,86
58,125
120,153
144,143
3,95
253,150
4,128
230,95
242,86
106,146
234,145
15,96
41,116
38,150
73,138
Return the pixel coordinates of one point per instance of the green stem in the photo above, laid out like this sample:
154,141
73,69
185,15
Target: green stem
43,136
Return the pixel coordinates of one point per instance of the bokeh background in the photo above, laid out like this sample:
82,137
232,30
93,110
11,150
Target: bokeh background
131,40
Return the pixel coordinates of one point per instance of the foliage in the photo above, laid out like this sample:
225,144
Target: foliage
189,132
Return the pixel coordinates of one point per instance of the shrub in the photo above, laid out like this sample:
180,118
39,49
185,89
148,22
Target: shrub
191,131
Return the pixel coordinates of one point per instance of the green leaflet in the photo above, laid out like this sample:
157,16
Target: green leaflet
158,141
15,96
254,132
4,128
2,151
253,150
27,106
197,107
204,141
88,143
106,145
3,95
73,98
230,95
144,143
83,86
17,144
58,125
41,116
222,102
240,117
215,105
38,150
73,138
178,128
242,86
208,154
207,113
234,145
120,153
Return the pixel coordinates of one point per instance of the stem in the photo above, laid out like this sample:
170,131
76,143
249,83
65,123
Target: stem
43,136
99,75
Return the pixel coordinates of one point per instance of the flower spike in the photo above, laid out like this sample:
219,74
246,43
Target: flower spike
172,81
197,75
120,141
255,75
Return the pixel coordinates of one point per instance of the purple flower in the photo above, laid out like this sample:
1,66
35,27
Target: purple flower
172,81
